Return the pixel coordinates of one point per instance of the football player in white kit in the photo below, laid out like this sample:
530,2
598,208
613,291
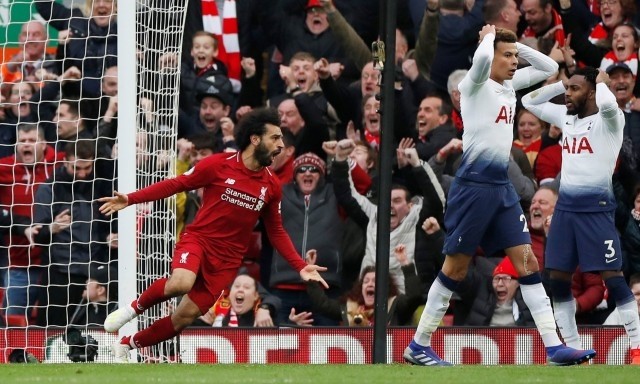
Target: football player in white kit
582,231
482,207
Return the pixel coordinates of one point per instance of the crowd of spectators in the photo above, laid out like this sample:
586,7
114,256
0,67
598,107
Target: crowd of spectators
310,60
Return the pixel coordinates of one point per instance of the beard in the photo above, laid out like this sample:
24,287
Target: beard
263,156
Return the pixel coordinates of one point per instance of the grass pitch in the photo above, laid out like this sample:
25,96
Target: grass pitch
334,374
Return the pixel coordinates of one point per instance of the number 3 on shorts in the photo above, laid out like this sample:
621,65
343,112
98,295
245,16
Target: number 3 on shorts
611,252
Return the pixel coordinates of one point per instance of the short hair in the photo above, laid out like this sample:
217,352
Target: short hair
407,193
288,138
84,149
550,187
504,35
203,140
28,127
207,34
74,106
492,8
590,74
445,106
455,78
303,56
255,123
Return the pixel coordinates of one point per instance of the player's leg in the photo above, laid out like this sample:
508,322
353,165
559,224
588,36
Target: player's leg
185,266
599,249
466,220
161,330
561,259
453,271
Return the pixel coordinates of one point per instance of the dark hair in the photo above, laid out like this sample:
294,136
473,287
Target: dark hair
504,36
288,138
407,193
81,149
589,73
355,294
445,106
74,106
255,123
628,8
203,140
629,25
28,127
634,279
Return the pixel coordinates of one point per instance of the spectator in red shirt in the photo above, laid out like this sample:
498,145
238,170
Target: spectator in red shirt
239,188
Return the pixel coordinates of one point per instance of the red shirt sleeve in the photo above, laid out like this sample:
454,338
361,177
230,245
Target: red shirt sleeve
361,180
277,235
195,178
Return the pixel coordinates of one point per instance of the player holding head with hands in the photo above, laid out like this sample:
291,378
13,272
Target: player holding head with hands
483,207
582,232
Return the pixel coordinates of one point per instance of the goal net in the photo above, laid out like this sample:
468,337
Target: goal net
70,133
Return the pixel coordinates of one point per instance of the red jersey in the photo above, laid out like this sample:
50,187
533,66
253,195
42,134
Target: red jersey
233,200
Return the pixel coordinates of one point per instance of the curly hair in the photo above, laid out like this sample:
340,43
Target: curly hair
355,294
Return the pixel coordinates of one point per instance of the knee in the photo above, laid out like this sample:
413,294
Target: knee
178,285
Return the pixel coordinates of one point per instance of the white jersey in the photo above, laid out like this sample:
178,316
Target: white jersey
488,110
590,147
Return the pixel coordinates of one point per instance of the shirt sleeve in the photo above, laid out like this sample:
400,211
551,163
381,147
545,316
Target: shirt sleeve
481,66
612,116
542,67
277,235
197,177
537,102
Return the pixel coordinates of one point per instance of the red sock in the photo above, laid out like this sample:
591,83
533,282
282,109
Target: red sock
151,296
160,330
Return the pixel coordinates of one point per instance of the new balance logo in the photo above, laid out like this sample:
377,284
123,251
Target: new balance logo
183,258
230,181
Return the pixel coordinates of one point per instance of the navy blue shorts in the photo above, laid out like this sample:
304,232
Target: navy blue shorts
483,215
587,239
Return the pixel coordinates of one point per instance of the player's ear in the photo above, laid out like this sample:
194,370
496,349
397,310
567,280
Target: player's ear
255,139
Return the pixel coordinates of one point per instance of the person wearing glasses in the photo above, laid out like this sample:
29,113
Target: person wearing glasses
310,216
492,298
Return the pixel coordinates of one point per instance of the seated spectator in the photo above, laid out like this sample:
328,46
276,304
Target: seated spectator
356,307
246,304
100,296
634,284
492,298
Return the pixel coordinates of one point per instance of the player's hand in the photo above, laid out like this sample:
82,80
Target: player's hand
311,273
114,203
263,318
603,77
487,29
303,318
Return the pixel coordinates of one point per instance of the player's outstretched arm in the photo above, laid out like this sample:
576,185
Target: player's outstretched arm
114,203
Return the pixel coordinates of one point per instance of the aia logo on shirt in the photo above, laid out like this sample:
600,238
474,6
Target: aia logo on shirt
576,146
505,114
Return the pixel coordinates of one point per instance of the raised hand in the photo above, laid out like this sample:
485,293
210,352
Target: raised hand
61,222
430,225
487,29
114,203
329,147
344,149
400,252
263,318
322,68
311,257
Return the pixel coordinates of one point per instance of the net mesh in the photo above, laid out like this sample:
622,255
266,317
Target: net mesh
58,154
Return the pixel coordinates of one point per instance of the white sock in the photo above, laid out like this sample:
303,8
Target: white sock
565,313
629,316
540,306
435,309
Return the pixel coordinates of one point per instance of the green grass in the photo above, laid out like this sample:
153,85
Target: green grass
361,374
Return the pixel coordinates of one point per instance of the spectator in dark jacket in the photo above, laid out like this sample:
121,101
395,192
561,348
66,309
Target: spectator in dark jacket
72,192
92,43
